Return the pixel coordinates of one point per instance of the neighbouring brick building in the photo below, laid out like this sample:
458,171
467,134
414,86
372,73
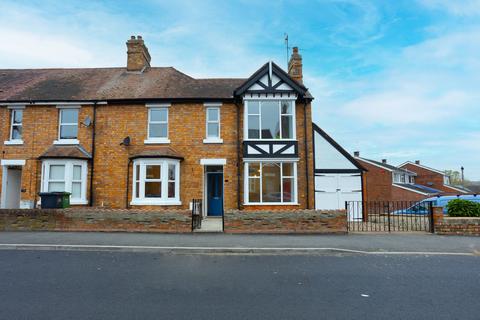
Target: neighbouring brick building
145,137
385,182
432,178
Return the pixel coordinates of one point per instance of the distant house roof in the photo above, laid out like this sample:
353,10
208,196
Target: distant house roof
66,152
387,166
158,152
420,188
421,166
90,84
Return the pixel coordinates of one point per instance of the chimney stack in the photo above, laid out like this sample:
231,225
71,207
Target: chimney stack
356,153
295,66
417,161
138,58
384,161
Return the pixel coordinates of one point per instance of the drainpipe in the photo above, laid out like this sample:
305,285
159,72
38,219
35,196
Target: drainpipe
93,151
238,155
306,153
127,205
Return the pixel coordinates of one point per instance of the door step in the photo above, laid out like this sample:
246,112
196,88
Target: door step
210,224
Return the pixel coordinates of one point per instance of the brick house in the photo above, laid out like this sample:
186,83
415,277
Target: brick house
385,182
154,137
432,178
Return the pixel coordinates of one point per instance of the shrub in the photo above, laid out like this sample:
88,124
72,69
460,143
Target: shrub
463,208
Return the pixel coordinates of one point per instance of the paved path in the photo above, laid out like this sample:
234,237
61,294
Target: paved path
362,242
116,285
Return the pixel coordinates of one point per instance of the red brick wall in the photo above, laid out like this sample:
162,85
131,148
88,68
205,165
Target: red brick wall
458,226
378,186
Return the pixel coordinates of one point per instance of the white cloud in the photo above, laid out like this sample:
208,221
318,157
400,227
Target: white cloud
455,7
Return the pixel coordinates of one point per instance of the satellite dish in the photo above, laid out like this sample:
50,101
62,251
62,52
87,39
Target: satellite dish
87,122
126,141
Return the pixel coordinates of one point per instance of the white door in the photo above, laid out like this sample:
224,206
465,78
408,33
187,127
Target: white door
333,189
13,188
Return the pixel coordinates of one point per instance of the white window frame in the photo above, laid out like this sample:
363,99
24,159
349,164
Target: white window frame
157,140
164,200
68,178
279,100
60,111
12,141
246,182
217,139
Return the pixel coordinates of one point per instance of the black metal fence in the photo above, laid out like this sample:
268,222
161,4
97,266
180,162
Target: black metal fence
389,216
196,214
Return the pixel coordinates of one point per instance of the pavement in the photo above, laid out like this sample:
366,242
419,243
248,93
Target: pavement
394,243
50,285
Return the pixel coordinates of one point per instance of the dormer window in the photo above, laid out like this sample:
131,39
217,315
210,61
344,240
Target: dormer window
270,120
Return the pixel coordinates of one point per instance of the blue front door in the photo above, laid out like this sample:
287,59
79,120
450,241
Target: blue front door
215,194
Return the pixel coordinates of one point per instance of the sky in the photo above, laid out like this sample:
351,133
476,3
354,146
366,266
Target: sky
392,79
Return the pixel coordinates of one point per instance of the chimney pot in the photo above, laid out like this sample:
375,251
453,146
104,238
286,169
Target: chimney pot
132,37
417,161
384,160
139,37
356,153
295,66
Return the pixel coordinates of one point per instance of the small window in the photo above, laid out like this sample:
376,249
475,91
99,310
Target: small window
16,124
156,182
66,175
68,128
213,123
157,123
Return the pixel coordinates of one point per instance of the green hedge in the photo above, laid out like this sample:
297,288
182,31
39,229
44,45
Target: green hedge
463,208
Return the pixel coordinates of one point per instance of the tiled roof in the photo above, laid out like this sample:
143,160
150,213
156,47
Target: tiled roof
419,187
18,85
388,166
72,152
158,152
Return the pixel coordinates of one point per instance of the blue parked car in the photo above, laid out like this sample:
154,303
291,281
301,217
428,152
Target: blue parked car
422,207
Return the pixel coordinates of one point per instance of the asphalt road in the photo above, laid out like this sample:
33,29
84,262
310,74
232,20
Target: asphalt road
141,285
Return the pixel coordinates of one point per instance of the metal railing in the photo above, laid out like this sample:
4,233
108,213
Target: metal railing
196,214
389,216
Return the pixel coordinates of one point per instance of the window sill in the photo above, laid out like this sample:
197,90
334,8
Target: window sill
66,141
157,141
13,142
212,141
154,203
78,202
271,204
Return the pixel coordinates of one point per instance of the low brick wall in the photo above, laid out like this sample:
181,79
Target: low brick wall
460,226
291,221
111,220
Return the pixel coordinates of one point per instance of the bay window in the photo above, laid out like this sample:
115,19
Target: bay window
66,176
270,119
270,182
156,182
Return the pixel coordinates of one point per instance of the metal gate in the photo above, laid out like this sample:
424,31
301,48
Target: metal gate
389,216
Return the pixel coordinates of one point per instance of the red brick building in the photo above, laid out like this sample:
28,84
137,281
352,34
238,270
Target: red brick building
153,137
432,178
385,182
